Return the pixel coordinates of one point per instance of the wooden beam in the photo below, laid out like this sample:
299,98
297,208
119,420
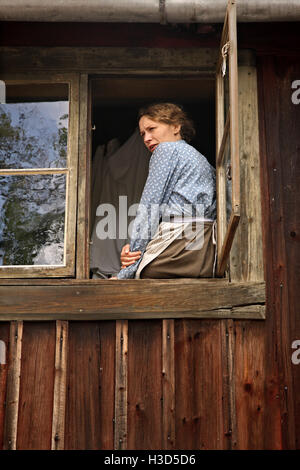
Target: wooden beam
246,258
16,60
84,177
13,386
132,299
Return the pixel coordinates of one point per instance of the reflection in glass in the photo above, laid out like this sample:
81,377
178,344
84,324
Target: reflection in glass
34,128
32,219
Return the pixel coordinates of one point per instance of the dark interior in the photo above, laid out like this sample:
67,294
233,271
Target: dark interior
116,102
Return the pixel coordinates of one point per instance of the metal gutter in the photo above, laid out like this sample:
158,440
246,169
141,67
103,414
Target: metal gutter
147,11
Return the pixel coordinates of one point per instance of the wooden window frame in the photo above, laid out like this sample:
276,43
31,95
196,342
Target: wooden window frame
68,268
89,299
238,296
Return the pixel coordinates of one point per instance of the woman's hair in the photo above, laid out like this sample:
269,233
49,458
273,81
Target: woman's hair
170,113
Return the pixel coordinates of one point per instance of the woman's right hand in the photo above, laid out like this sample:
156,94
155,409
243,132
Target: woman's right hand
129,257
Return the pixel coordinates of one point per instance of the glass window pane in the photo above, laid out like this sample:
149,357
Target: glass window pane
32,219
34,126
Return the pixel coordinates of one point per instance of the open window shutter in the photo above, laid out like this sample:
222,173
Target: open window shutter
227,139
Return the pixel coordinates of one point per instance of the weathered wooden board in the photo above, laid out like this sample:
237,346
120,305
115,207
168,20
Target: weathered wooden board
144,385
249,384
90,386
229,391
36,386
198,382
122,299
121,385
84,178
4,338
279,126
282,39
60,386
13,386
106,59
246,258
168,385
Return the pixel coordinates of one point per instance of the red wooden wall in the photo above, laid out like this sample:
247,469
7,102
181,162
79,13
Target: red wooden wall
280,153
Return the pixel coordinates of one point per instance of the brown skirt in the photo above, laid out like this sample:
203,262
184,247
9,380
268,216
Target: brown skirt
176,261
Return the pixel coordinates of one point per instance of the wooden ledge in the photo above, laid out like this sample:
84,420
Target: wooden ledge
130,299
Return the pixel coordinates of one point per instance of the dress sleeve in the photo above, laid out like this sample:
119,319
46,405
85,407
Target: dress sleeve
157,188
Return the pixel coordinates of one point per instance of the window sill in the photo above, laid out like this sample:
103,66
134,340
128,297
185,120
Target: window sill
93,299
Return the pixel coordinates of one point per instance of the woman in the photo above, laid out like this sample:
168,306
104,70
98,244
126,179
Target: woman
173,231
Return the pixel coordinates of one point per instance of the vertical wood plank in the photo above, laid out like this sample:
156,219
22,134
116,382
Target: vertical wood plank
60,383
71,188
107,351
199,385
250,359
145,385
246,398
272,417
4,342
228,367
84,178
13,386
168,385
246,259
36,386
121,386
90,389
279,121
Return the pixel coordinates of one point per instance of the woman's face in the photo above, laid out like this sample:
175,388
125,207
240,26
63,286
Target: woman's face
155,132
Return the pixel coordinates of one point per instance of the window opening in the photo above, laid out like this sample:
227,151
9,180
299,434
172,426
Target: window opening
120,159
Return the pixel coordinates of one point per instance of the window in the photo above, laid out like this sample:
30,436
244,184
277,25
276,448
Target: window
112,77
120,159
38,161
37,180
115,105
